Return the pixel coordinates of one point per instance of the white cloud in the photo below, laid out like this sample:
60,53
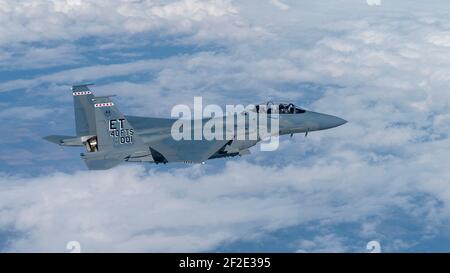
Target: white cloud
30,21
24,112
26,57
440,39
279,4
67,77
193,209
373,2
328,243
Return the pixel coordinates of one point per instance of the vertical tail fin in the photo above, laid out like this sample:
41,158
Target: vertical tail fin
84,110
113,129
105,132
115,139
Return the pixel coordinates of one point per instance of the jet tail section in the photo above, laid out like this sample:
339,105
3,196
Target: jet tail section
84,118
115,140
84,110
105,132
113,129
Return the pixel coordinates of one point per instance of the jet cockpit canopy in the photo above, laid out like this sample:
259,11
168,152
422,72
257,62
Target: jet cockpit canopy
279,107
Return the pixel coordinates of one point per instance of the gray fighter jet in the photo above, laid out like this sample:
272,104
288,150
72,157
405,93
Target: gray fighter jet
111,138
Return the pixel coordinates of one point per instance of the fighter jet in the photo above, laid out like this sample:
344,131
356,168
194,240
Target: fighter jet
111,138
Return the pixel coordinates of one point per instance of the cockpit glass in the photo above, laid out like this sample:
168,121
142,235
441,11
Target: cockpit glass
281,108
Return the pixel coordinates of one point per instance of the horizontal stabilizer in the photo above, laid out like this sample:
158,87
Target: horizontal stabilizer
102,164
57,139
61,140
103,160
67,140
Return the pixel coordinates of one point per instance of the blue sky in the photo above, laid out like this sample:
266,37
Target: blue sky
383,176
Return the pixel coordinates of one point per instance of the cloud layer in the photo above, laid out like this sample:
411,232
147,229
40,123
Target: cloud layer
40,21
383,176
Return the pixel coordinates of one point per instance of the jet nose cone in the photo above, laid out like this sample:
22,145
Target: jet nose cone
339,121
328,121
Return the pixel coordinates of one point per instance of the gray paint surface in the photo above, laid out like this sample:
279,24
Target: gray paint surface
111,138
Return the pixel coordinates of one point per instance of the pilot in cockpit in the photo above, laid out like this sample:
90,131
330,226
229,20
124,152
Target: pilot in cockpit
291,108
283,108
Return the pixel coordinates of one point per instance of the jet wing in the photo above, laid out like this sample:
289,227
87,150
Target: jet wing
194,151
155,132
